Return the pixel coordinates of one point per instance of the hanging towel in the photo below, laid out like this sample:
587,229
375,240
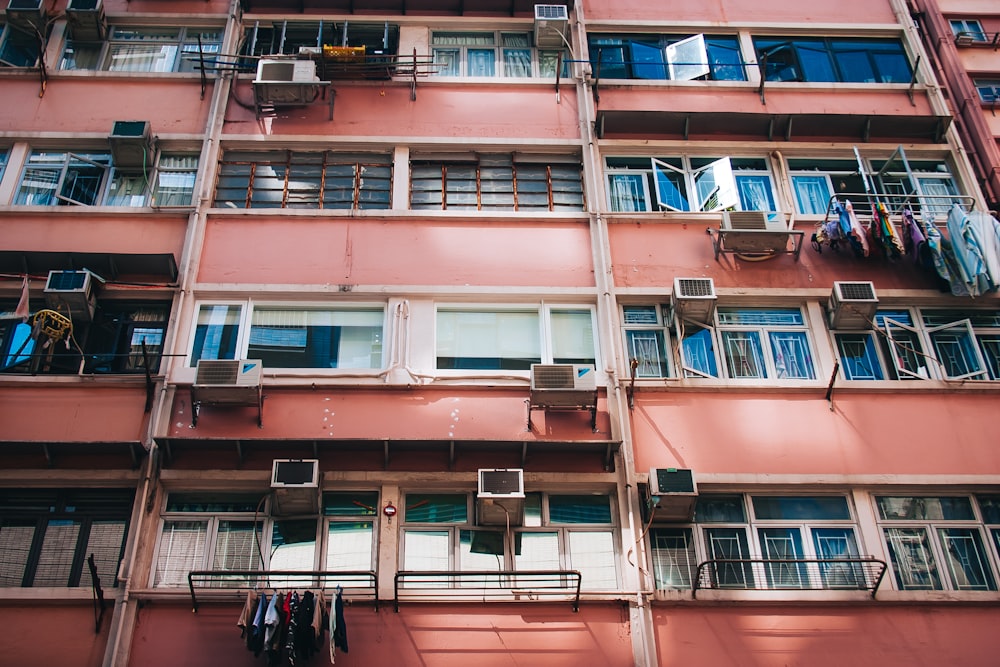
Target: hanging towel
968,252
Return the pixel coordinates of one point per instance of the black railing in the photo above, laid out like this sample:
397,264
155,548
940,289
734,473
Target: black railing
488,585
785,574
356,584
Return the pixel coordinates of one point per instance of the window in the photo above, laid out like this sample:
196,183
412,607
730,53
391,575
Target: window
491,54
3,161
688,184
211,531
970,29
647,340
514,338
295,179
754,343
734,528
662,57
18,48
284,336
89,179
264,38
937,542
833,60
47,535
988,89
498,183
560,532
112,342
145,49
948,344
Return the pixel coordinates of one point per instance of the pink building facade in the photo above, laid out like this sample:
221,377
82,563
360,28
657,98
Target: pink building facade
611,333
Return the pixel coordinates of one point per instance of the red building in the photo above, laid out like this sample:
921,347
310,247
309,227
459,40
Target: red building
609,333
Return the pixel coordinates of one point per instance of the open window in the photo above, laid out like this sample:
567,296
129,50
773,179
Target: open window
956,350
687,59
716,186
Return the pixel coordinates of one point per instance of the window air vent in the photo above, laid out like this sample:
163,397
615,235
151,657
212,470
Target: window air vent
71,293
694,299
295,484
500,500
28,15
673,494
852,305
132,145
551,26
86,17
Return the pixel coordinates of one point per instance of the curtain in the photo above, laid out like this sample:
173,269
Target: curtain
175,180
812,194
572,336
182,548
626,192
142,57
755,193
791,355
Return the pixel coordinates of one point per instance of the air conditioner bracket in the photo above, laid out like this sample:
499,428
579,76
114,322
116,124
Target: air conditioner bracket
589,405
756,243
197,402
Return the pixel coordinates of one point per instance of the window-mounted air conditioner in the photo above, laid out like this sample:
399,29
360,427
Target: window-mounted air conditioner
29,15
563,385
500,500
295,485
87,20
551,26
132,145
71,293
673,494
852,305
694,299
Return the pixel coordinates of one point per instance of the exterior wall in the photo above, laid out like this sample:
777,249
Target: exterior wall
742,11
435,636
31,635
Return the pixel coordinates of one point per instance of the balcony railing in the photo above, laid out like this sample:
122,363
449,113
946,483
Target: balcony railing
790,574
356,584
488,585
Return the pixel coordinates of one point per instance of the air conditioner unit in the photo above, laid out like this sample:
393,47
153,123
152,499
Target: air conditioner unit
551,26
29,15
694,299
228,373
295,484
500,500
71,293
673,494
87,20
852,305
563,385
760,221
287,81
132,145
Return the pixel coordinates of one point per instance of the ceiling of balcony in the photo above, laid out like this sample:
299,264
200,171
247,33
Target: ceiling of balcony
401,7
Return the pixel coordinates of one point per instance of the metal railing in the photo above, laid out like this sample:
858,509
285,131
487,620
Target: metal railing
790,574
934,206
488,586
356,584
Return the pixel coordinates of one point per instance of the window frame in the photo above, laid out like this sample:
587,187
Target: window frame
940,572
514,182
747,529
12,38
971,27
988,90
659,326
60,507
626,57
786,59
660,189
538,521
239,316
459,66
265,524
101,55
237,164
546,337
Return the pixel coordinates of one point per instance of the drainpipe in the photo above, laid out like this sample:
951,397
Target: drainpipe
117,654
640,617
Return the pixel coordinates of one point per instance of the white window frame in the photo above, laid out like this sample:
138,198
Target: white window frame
545,330
971,27
244,320
719,172
648,367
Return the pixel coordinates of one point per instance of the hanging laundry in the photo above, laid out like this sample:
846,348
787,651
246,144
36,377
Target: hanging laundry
968,252
913,236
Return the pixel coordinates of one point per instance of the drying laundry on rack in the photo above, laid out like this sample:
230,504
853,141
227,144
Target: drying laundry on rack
287,627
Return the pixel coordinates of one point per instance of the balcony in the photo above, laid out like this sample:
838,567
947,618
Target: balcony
488,586
355,584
